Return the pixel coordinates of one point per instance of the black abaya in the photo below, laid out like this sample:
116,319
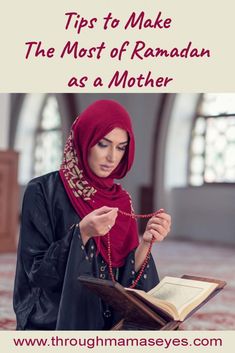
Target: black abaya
51,256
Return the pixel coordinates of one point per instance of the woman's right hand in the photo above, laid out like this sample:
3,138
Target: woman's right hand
98,222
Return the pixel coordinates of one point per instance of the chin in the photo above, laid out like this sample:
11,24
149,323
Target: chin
101,174
104,174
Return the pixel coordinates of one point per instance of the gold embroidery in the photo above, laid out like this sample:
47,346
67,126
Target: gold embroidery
73,174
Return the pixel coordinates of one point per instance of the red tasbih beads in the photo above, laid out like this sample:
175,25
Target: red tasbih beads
132,215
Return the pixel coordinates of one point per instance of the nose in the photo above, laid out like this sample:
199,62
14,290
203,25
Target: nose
111,155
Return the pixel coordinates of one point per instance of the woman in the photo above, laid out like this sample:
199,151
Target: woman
73,224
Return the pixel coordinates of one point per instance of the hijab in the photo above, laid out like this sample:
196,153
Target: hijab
86,190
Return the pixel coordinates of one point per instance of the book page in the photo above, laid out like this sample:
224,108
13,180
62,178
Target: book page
177,294
180,292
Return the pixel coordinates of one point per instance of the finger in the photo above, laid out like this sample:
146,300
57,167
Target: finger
109,215
165,216
104,229
147,237
105,209
159,229
156,235
163,222
112,215
106,221
107,226
160,221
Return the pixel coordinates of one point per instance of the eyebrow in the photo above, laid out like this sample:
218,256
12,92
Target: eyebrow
121,143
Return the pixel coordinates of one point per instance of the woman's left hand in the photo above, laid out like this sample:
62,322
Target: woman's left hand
158,227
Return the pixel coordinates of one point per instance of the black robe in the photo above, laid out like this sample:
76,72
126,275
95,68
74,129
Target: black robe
51,255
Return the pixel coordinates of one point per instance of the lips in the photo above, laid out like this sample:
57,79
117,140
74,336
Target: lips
106,167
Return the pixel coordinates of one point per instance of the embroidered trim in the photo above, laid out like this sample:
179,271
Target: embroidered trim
80,187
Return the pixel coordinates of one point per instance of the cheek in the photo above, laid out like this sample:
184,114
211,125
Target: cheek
94,156
122,155
91,159
119,158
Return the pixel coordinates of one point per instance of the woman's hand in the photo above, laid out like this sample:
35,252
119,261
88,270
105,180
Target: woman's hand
158,227
98,222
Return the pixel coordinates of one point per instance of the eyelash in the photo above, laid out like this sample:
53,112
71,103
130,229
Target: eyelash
103,145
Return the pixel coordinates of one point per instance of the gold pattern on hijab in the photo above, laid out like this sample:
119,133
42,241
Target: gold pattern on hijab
73,174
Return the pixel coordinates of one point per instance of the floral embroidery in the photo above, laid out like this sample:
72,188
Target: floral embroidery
73,174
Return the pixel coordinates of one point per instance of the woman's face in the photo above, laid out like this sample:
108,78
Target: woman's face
105,156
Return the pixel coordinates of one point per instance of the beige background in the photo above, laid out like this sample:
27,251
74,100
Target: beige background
208,24
226,336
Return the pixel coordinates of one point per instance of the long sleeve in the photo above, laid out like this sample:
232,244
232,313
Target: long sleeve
80,309
147,281
42,255
51,255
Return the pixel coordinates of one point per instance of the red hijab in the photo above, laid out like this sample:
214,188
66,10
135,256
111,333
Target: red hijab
87,191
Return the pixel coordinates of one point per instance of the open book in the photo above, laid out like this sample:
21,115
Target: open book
177,297
162,308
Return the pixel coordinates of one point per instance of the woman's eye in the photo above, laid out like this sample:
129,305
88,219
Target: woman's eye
102,144
123,148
